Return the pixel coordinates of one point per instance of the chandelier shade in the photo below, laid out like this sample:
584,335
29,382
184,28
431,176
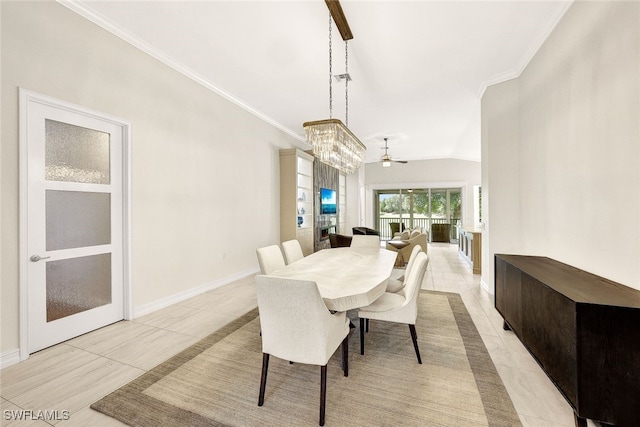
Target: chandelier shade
334,144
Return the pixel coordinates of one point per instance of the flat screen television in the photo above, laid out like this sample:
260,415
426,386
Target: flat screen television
327,201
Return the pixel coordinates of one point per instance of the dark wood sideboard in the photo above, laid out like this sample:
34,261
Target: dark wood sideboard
582,329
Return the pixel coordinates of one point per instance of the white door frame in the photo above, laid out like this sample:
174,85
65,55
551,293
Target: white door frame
27,97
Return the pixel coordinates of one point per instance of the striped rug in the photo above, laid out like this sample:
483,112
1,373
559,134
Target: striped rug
215,382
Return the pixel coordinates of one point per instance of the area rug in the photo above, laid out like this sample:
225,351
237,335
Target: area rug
215,382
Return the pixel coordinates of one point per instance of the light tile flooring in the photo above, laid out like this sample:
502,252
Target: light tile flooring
74,374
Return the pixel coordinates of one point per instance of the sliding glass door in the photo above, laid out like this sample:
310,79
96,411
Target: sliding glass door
410,208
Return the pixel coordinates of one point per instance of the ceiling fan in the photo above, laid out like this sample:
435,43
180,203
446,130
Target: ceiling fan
386,158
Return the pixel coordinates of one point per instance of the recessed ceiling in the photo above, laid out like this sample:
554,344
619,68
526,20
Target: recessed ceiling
418,68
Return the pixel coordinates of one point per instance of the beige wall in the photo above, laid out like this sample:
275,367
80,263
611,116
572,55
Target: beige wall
500,175
440,173
561,148
205,181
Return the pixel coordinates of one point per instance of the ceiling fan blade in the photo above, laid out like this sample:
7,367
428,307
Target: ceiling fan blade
386,157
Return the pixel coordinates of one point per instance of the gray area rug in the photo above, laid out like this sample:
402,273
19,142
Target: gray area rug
215,381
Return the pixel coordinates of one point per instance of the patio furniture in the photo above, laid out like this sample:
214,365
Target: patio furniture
441,233
396,227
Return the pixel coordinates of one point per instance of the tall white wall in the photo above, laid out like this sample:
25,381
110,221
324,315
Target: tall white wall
575,191
205,173
500,176
355,181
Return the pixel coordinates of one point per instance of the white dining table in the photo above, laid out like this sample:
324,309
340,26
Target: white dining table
347,278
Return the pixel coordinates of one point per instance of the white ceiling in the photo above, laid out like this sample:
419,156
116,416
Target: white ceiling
418,67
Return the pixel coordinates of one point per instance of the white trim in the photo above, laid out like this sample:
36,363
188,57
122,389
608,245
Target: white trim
9,358
127,221
116,30
485,286
25,97
23,209
190,293
544,33
498,78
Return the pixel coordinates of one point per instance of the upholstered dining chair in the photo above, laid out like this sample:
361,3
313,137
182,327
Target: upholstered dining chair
292,251
396,285
398,307
298,327
365,241
270,259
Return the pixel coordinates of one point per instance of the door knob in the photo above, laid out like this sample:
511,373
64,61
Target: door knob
36,258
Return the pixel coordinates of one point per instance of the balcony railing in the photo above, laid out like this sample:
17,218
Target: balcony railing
385,229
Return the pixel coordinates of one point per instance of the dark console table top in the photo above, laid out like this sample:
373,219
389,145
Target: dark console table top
578,285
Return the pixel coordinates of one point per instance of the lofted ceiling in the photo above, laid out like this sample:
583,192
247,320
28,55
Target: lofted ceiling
418,68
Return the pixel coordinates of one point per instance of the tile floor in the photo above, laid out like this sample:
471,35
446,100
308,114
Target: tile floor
72,375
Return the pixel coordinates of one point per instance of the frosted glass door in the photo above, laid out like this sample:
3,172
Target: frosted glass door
75,224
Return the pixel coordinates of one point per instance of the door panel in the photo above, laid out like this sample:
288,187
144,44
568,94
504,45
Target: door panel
67,160
77,218
78,284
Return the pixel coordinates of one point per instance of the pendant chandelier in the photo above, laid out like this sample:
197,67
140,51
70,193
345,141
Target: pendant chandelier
332,141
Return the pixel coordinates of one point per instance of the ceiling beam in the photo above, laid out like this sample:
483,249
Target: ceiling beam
338,17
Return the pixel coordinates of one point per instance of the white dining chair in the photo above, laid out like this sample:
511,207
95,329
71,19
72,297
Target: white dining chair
398,307
365,241
270,259
292,251
297,326
397,285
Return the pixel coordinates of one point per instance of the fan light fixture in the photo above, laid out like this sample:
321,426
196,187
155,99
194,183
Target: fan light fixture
332,141
386,158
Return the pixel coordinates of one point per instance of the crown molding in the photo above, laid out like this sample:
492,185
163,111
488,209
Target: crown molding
116,30
544,33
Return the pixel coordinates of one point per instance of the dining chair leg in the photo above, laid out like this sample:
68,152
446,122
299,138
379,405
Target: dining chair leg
366,329
345,356
323,392
263,379
414,337
361,335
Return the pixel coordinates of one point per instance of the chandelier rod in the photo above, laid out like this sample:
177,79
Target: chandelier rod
346,84
330,73
340,19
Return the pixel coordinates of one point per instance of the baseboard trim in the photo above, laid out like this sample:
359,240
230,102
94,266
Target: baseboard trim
485,286
181,296
9,358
